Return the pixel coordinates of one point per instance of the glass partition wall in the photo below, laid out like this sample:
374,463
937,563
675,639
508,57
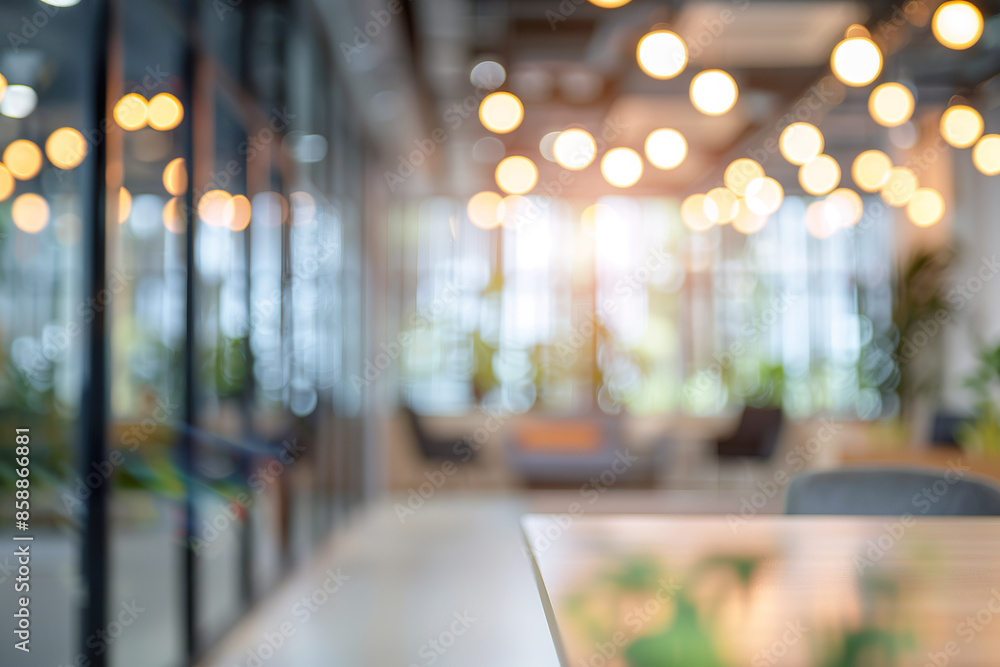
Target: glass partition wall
189,207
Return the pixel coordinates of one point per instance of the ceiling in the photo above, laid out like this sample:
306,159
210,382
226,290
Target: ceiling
573,63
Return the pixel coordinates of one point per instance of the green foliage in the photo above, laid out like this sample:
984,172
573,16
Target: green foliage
230,367
983,435
920,298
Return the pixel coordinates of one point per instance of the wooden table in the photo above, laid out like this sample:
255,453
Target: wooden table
645,591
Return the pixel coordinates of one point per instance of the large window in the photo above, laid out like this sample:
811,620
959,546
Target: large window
616,305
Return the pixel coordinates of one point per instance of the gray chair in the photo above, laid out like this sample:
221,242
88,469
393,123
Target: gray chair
892,492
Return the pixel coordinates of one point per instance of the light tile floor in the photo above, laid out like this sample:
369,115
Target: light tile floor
449,586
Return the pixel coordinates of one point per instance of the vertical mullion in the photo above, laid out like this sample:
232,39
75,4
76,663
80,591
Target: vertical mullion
186,445
94,402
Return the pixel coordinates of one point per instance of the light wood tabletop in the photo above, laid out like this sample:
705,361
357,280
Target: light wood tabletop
645,591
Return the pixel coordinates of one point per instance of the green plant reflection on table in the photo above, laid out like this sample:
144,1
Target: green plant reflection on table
641,615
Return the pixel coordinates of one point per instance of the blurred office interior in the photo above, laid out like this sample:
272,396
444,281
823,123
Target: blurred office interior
323,296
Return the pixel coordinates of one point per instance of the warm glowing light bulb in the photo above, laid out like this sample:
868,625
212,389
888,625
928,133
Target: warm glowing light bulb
66,148
236,213
820,175
30,213
800,142
739,173
870,170
961,126
212,208
856,61
23,159
485,209
764,195
846,206
693,213
746,221
124,205
516,175
899,186
3,87
958,25
131,112
662,54
165,112
6,183
713,92
820,221
925,207
666,148
609,4
501,112
721,205
172,218
891,104
621,167
574,149
175,176
986,154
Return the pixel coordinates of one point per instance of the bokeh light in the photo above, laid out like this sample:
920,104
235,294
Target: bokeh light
546,146
846,206
212,208
986,154
124,205
165,112
713,92
820,221
501,112
891,104
30,213
800,142
820,175
693,213
666,148
516,175
899,186
870,170
957,24
488,75
18,101
746,221
856,61
6,183
23,159
961,126
574,149
66,148
172,218
764,195
175,176
662,54
485,209
739,173
269,209
721,205
621,167
236,213
131,112
925,207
